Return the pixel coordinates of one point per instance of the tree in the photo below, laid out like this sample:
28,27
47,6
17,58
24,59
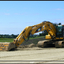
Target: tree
59,24
43,33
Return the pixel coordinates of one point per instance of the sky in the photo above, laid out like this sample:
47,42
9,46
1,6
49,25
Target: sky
16,15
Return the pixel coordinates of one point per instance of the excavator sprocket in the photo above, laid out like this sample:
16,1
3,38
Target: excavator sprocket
6,46
59,44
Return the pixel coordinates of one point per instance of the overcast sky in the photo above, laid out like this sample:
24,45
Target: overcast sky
16,15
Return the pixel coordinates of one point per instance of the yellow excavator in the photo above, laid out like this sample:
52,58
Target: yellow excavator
55,36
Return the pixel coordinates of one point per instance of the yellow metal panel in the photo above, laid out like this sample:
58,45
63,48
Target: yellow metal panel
6,45
59,38
47,37
0,49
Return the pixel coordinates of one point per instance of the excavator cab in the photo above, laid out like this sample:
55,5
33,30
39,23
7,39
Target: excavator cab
63,30
60,31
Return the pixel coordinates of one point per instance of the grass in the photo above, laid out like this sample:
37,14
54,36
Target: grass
11,39
37,37
6,39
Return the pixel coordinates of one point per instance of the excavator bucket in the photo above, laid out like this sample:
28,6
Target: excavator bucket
7,46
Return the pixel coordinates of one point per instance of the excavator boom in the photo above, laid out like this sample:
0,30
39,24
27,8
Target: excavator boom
48,26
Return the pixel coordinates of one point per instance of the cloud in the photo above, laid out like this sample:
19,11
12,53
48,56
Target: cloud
26,13
6,13
19,14
59,9
59,19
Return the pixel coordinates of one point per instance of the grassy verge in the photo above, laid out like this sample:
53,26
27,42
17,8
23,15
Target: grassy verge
6,39
37,37
11,39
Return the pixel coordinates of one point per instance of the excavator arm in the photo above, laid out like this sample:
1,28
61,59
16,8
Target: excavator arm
48,26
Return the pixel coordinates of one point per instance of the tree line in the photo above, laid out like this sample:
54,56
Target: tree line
8,36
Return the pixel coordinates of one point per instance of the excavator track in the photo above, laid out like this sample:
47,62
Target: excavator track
6,46
50,43
44,43
59,44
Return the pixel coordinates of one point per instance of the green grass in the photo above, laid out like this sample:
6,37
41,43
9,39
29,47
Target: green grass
11,39
6,39
37,37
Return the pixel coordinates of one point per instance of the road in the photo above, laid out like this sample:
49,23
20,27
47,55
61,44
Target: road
34,53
